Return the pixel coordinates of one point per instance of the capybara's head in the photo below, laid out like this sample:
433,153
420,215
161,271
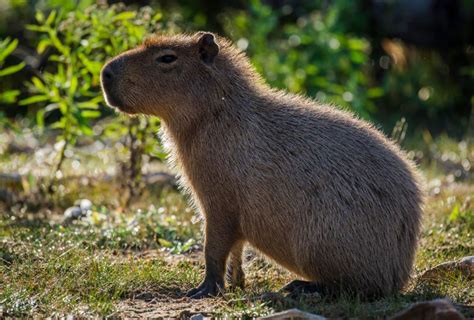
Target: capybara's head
166,74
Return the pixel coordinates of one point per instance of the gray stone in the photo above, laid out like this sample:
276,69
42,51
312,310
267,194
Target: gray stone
464,265
85,204
72,213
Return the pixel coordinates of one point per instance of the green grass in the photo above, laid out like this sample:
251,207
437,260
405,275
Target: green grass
124,262
90,265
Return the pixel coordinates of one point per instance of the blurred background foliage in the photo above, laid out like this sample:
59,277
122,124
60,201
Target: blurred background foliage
374,57
385,60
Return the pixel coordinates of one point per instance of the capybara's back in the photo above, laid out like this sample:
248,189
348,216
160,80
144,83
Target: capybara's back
321,192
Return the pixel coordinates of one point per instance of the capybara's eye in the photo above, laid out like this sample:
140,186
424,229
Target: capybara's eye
168,58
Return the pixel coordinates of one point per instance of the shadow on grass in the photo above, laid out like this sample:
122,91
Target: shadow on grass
157,293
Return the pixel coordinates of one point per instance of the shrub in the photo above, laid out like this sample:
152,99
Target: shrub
7,46
67,95
311,55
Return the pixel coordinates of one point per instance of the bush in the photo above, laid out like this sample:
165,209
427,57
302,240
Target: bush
8,96
66,96
312,56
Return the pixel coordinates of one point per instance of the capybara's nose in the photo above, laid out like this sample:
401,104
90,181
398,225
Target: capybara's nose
108,74
111,71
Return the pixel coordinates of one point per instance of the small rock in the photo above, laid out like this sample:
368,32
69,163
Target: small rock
467,262
197,316
293,314
85,204
464,265
72,213
439,309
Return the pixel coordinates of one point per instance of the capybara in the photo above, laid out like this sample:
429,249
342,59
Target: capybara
312,187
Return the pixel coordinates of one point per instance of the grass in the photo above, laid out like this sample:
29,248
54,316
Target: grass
139,262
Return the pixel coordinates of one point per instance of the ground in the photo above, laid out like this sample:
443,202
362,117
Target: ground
139,261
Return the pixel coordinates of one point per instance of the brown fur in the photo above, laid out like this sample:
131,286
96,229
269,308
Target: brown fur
322,193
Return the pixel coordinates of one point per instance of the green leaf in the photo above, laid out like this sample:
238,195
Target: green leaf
33,99
127,15
91,104
11,69
90,114
357,57
61,124
57,43
455,214
73,86
9,49
187,245
9,96
165,243
40,118
42,45
39,15
34,27
375,92
51,17
357,44
157,17
63,108
92,66
39,84
86,129
51,107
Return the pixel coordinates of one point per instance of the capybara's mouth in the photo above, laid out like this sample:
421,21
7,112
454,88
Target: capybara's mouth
111,100
117,104
114,100
109,83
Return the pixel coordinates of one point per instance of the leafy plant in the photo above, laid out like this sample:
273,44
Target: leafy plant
311,55
7,46
68,91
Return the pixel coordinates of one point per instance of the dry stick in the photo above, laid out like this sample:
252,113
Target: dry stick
137,140
59,164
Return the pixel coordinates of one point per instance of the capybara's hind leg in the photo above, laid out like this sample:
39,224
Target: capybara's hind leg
235,275
297,287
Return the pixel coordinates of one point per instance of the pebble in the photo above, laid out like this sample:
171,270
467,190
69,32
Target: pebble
85,204
72,213
80,209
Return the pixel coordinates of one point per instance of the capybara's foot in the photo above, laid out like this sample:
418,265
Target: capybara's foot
206,289
235,276
297,287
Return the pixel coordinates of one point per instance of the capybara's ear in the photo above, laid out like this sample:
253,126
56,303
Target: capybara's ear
208,48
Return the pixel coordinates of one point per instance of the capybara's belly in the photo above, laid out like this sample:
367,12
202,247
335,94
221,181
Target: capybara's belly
278,239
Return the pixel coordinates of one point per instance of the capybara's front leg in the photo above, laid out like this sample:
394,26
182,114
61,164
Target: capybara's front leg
220,239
